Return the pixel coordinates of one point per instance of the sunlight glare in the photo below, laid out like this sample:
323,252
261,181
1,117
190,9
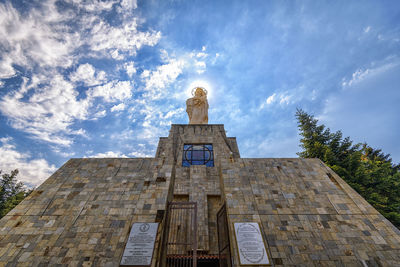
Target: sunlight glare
199,83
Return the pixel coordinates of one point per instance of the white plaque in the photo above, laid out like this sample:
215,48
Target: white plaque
139,248
250,244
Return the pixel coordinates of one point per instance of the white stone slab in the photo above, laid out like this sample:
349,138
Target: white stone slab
140,246
250,244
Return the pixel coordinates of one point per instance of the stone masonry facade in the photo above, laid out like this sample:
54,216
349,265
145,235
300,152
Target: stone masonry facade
82,214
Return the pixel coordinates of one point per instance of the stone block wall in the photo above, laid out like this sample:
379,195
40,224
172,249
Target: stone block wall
308,215
82,214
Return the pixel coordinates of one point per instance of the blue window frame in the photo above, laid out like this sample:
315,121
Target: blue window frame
198,155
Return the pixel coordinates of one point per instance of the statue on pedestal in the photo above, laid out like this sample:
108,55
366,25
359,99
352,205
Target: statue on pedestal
197,106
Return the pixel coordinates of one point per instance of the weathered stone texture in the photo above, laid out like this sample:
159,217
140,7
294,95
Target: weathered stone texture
309,216
82,214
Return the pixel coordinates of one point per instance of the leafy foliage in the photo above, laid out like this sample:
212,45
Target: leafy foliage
11,192
369,171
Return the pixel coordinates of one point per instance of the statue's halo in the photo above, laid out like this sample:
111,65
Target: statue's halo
202,88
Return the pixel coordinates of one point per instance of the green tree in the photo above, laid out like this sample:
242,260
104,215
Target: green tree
11,192
369,171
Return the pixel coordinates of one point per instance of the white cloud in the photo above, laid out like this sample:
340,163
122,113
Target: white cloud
215,58
99,114
44,37
125,135
360,74
140,154
150,133
157,80
87,74
118,107
156,118
371,95
123,39
357,76
172,113
129,4
199,58
112,91
48,112
201,55
282,99
271,99
94,5
108,154
61,152
153,111
47,40
285,99
200,67
153,114
6,68
5,140
32,172
34,39
130,68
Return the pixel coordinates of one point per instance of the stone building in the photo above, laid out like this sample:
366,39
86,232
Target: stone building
201,193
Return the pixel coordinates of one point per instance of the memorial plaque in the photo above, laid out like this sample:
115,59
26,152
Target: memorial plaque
250,244
139,248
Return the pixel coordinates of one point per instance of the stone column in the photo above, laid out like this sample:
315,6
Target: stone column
198,194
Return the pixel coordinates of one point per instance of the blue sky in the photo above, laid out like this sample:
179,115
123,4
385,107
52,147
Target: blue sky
107,78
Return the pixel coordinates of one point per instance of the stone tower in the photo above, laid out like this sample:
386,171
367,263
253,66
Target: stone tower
206,206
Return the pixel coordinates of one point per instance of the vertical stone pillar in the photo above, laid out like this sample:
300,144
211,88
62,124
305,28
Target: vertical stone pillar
198,194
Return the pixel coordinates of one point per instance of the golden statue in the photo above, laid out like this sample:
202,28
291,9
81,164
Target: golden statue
197,106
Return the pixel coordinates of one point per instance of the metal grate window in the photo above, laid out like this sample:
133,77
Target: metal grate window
198,155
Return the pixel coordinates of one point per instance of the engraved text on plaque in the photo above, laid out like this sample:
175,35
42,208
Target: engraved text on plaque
139,248
250,244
